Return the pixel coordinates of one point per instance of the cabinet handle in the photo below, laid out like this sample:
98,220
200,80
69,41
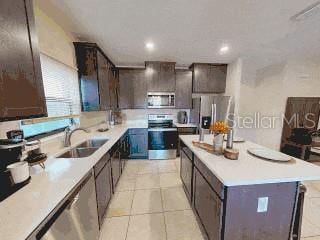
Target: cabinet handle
73,202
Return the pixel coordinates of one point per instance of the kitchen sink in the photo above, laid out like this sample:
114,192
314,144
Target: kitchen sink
79,152
93,143
84,149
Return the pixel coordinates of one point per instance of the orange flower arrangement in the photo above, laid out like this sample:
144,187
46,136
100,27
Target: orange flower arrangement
219,128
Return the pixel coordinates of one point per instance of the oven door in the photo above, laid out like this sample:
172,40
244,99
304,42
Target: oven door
162,143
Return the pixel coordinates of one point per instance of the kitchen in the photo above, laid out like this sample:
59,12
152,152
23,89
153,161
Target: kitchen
106,118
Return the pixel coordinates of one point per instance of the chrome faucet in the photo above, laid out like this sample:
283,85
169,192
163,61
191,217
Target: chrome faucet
68,133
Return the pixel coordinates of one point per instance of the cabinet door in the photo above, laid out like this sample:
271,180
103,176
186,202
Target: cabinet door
167,77
160,76
186,169
113,89
21,86
138,140
201,78
104,82
208,206
183,89
152,76
218,76
116,168
209,78
132,88
104,190
88,78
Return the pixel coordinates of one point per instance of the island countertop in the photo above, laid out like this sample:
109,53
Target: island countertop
250,170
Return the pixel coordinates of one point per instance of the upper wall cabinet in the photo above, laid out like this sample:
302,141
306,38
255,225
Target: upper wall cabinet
160,76
209,78
183,89
97,78
133,88
21,86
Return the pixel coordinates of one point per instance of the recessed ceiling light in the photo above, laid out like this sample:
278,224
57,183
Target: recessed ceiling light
150,45
224,49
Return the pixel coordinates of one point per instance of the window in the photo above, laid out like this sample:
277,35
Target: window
61,89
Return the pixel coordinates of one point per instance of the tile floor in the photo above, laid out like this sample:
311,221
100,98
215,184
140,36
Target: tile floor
150,204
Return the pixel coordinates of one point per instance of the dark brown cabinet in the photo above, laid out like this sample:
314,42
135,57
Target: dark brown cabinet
183,89
97,77
208,78
103,186
116,165
104,82
233,212
160,76
186,171
21,91
208,206
132,89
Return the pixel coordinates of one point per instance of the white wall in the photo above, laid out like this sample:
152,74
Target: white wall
233,83
265,90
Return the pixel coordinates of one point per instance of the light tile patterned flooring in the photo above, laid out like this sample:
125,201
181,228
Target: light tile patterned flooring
150,204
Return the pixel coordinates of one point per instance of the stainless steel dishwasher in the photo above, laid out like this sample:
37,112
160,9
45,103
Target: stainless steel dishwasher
77,218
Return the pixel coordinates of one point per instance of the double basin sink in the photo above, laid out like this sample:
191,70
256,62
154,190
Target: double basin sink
84,149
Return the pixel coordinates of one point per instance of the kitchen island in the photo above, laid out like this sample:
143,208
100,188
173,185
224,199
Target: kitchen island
248,198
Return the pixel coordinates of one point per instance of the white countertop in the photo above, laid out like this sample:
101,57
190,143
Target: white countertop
248,170
22,212
185,125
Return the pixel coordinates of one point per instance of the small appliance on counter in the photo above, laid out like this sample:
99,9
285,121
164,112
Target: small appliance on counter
182,117
13,173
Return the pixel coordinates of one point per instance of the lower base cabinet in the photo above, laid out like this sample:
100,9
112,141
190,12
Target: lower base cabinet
103,186
138,141
208,206
231,212
186,169
116,166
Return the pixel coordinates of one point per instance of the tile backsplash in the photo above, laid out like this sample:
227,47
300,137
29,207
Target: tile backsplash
142,114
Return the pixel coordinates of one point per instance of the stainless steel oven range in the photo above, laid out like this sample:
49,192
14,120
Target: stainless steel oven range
162,137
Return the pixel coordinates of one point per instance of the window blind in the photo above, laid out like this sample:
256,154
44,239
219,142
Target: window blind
62,95
61,87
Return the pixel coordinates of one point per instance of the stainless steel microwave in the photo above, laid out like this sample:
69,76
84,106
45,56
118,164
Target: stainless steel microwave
161,100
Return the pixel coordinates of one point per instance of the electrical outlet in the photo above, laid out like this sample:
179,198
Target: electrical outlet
262,204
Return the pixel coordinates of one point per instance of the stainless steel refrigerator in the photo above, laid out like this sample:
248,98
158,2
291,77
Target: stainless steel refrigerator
204,107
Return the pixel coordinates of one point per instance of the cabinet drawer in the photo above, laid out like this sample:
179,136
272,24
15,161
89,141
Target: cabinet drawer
214,182
187,130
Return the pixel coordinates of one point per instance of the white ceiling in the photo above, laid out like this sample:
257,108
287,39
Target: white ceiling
187,31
